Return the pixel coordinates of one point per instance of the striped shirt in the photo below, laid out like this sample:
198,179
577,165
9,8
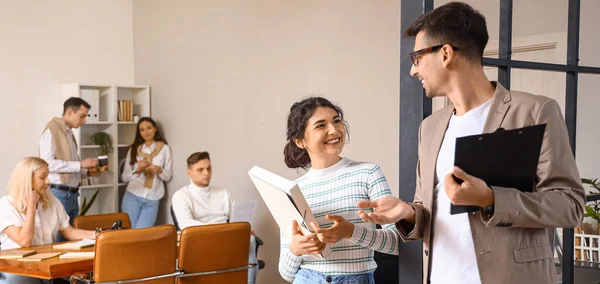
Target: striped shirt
337,190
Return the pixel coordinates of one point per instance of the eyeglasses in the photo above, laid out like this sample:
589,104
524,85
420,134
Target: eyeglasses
415,59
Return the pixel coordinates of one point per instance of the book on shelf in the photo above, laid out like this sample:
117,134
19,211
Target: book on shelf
77,254
18,253
75,245
119,111
40,256
125,110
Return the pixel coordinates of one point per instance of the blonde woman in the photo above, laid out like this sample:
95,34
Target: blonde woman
30,215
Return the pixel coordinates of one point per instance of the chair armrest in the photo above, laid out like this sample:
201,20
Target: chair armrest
259,242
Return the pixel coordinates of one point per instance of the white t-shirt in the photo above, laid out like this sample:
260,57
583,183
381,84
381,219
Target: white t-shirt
194,205
48,222
453,257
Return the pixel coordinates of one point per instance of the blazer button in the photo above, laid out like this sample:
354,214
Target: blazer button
426,253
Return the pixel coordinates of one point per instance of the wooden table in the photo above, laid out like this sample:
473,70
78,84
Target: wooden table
50,268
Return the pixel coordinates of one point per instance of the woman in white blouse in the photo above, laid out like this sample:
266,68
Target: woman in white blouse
30,215
147,167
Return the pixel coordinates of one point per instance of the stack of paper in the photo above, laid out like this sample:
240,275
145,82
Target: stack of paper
76,245
40,256
77,254
243,211
13,254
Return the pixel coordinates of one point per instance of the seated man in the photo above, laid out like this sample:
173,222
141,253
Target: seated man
201,204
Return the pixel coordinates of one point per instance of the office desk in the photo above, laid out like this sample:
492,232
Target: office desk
50,268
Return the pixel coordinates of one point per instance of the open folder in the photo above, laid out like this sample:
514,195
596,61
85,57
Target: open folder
506,158
285,201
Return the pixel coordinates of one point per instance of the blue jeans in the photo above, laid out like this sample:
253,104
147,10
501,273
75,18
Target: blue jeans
142,212
70,203
252,259
307,276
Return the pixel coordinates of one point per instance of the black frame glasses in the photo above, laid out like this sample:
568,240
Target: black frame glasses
413,55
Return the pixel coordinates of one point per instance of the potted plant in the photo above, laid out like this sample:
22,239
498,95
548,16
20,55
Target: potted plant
586,234
103,140
593,210
86,206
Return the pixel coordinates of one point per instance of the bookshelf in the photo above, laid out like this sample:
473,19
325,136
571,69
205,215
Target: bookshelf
106,115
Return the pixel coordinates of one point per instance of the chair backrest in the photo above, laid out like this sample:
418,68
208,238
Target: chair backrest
105,221
174,219
136,254
214,247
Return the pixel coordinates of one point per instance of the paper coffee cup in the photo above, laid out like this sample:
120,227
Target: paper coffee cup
102,161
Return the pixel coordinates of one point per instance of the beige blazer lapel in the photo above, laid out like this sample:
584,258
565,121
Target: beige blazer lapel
428,173
498,109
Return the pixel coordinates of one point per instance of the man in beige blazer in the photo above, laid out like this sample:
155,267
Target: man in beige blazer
507,241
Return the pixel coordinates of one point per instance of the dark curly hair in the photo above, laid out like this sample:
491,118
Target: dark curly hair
300,113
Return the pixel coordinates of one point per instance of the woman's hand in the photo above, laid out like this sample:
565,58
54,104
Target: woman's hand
301,244
141,166
155,169
32,199
341,229
92,235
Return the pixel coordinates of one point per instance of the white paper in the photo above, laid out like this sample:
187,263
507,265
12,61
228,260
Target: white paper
243,211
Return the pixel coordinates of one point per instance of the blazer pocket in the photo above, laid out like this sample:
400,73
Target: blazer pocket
531,253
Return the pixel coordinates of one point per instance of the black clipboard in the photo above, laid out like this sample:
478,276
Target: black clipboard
506,158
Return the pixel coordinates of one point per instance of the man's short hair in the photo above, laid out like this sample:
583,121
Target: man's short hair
457,24
75,103
197,157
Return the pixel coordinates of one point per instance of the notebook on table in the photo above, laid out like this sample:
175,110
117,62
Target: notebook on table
76,245
77,254
14,254
40,256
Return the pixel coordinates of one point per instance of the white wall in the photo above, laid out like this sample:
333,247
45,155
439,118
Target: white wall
225,73
46,43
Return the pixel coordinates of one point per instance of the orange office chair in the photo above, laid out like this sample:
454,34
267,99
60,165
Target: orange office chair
104,221
214,254
135,256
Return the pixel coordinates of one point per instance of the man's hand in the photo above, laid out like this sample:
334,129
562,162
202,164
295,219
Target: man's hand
386,210
341,229
473,191
89,163
301,244
96,171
